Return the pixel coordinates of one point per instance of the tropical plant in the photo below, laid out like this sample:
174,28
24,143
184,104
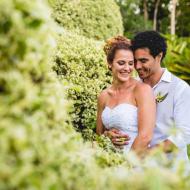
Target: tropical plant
178,60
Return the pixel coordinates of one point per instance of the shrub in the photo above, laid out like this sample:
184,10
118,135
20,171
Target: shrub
81,61
33,109
98,19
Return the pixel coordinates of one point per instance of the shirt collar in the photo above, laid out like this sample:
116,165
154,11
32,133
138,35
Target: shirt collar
166,76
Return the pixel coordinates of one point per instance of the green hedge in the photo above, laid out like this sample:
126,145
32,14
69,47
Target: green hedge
33,111
81,61
99,19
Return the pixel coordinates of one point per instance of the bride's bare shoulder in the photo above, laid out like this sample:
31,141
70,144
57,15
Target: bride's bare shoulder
105,94
142,88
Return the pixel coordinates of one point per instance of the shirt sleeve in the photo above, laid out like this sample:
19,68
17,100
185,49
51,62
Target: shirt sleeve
181,116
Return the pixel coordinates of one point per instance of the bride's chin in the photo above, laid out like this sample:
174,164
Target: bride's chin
123,79
126,78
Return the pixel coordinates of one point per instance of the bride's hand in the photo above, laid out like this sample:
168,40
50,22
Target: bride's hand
118,138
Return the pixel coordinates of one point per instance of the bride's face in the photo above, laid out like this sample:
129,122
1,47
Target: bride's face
122,65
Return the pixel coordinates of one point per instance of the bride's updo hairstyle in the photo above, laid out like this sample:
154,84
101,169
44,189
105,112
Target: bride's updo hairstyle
114,44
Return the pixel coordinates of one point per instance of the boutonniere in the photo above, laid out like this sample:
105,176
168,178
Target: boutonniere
160,97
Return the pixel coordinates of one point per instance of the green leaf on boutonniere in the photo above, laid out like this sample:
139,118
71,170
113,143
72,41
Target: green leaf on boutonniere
160,97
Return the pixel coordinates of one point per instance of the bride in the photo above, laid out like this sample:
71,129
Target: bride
128,105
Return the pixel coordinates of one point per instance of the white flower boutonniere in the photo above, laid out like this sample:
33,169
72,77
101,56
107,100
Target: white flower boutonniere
160,97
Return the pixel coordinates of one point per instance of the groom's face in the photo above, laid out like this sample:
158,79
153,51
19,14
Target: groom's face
145,63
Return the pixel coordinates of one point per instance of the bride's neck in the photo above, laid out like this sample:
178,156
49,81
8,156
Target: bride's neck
119,86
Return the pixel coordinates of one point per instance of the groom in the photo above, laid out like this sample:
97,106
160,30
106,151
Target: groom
172,95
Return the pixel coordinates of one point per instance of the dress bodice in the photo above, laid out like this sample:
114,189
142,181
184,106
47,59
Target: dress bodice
124,118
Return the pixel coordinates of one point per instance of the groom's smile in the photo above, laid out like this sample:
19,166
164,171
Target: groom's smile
145,63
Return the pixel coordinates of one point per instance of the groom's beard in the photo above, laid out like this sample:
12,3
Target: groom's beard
144,73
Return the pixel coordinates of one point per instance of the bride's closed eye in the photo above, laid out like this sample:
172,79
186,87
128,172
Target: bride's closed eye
121,62
131,63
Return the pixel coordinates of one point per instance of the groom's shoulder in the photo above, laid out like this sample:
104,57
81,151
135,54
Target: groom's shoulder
179,82
180,87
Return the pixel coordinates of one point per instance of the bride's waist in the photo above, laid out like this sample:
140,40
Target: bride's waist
124,129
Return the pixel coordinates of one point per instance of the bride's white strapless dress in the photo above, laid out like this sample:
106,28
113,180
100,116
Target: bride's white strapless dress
122,117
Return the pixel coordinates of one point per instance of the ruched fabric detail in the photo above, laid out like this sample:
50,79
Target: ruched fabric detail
124,118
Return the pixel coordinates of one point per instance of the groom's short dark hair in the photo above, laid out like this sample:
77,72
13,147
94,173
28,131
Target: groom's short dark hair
151,40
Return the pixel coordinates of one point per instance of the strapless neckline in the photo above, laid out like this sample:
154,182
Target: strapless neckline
121,104
120,116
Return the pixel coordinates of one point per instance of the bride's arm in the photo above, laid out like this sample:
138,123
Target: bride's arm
146,117
100,106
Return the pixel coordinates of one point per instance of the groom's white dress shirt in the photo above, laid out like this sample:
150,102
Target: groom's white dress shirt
173,112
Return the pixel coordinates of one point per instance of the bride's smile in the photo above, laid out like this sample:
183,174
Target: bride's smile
123,65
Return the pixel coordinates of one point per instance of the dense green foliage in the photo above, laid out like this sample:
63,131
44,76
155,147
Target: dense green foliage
33,107
178,59
183,14
81,61
98,19
134,19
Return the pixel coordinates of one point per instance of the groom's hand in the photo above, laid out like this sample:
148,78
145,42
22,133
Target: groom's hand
168,146
118,138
